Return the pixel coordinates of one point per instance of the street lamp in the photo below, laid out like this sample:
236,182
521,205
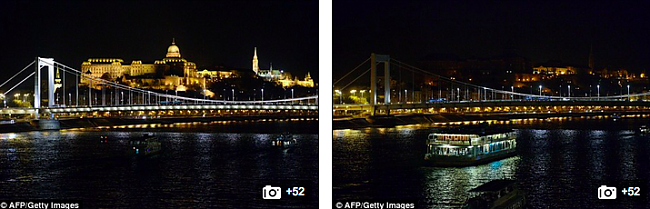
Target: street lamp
122,100
340,96
233,94
598,86
569,88
458,95
540,90
628,92
512,90
485,93
291,93
262,94
406,98
362,91
353,92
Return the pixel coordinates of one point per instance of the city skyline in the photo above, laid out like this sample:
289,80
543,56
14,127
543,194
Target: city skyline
539,31
210,34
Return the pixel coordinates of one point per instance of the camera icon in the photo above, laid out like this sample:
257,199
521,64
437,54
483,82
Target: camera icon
271,193
606,193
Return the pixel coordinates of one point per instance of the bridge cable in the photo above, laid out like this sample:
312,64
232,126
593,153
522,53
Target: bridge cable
517,93
12,77
180,97
340,79
12,88
364,73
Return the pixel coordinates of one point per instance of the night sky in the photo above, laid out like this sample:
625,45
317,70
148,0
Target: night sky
207,33
539,31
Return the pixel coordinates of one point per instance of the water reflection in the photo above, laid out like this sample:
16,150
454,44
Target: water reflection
555,159
194,169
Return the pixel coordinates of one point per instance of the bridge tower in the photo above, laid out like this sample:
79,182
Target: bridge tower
375,59
40,63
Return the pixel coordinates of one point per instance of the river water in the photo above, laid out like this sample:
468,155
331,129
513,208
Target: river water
201,165
560,164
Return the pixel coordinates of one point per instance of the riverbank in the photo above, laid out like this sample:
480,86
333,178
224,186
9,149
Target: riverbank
98,122
390,121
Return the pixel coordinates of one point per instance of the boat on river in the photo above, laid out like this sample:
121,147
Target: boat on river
644,129
147,145
616,116
284,141
469,145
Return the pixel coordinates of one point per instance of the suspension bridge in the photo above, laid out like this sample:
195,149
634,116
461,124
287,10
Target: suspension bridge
84,95
430,93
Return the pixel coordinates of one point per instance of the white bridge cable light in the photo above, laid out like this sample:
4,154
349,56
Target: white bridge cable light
413,69
351,82
121,86
340,79
12,77
12,88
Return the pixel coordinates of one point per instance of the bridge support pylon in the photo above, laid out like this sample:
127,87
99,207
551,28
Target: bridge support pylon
375,59
40,63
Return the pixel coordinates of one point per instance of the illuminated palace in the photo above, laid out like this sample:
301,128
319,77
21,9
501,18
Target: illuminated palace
170,73
279,76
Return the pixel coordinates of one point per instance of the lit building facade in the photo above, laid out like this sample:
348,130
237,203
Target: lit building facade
215,75
554,70
279,76
288,83
167,74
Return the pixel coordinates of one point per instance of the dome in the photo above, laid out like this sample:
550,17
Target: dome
173,50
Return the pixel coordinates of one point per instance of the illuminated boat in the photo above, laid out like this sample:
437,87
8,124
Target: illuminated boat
146,146
496,194
644,129
471,145
103,139
284,141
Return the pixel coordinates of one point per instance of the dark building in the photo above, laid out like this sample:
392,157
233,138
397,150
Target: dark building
452,66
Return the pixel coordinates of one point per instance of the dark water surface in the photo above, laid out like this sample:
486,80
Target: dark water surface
560,164
220,165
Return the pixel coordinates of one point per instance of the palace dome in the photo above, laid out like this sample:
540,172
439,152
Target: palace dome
173,50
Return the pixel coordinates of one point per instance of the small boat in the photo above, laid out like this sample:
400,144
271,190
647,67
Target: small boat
145,146
103,139
501,193
469,145
284,141
644,129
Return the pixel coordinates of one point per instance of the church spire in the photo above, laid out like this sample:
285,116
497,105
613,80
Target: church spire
173,41
57,79
256,67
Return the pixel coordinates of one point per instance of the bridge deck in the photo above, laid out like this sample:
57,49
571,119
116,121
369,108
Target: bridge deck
504,103
19,111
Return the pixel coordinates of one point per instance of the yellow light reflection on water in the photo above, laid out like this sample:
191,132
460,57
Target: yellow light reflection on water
8,136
